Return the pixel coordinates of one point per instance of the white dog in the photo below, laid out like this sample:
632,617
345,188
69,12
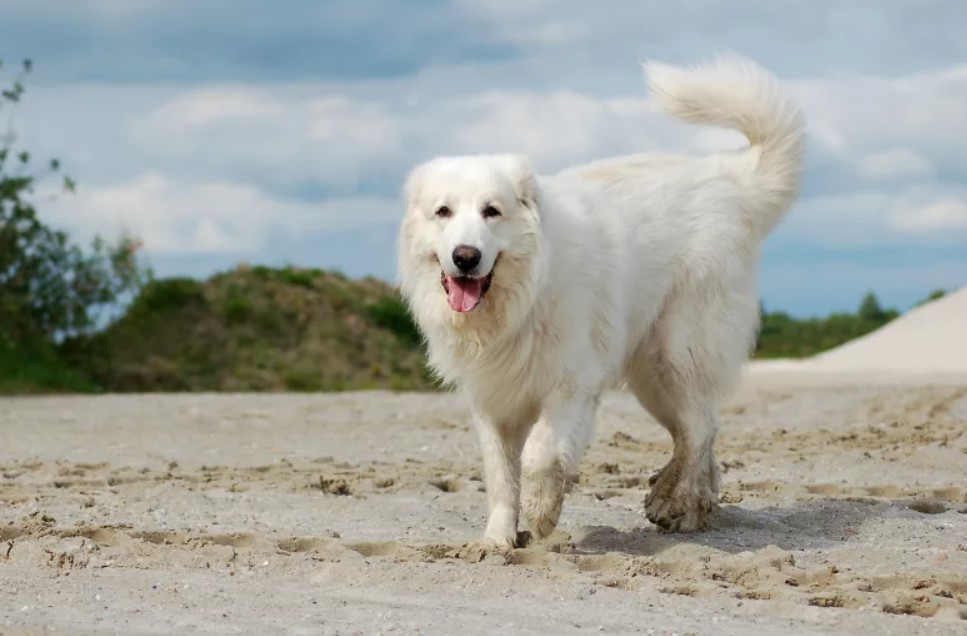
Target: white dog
535,294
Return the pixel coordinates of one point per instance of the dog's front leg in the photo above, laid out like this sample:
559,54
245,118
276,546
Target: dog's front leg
501,445
551,455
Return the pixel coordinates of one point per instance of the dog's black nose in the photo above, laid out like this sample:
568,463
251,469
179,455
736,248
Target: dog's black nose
466,257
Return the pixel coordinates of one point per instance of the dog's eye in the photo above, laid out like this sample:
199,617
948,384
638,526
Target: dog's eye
490,212
444,212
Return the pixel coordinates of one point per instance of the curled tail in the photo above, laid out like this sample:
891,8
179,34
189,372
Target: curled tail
734,92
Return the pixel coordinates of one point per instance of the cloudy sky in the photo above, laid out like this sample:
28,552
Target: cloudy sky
223,131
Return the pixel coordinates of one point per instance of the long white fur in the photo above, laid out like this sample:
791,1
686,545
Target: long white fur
637,270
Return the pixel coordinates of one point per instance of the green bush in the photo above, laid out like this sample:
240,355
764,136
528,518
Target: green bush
936,294
262,272
303,380
237,308
164,295
391,313
36,367
300,277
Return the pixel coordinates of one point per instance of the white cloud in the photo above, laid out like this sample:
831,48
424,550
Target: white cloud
556,128
307,133
206,218
925,215
894,164
945,215
885,128
178,120
562,128
865,119
341,120
293,133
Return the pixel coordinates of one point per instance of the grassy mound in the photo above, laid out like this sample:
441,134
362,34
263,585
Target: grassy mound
258,329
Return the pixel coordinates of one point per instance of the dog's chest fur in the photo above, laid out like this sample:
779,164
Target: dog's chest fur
508,376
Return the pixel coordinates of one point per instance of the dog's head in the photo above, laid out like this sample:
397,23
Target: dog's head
469,240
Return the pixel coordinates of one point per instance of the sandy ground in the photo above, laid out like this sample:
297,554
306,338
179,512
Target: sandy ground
843,512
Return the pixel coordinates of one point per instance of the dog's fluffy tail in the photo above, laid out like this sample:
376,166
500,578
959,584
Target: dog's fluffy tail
734,92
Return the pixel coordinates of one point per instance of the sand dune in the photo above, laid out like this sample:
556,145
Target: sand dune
931,338
928,342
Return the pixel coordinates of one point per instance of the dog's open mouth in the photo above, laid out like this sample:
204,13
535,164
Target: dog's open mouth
465,293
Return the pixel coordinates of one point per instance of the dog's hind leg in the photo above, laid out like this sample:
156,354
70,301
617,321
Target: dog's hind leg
685,491
551,456
679,375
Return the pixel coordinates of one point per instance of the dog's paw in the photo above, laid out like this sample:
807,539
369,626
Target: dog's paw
542,497
496,543
542,524
681,500
501,529
681,513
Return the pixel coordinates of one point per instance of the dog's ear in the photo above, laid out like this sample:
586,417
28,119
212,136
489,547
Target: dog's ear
522,174
412,186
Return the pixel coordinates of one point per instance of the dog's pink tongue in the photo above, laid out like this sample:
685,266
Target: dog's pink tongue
464,293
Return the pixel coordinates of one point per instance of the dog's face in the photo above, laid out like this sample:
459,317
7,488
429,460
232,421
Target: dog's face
470,225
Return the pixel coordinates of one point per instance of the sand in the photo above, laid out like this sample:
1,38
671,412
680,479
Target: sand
931,338
843,512
928,343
